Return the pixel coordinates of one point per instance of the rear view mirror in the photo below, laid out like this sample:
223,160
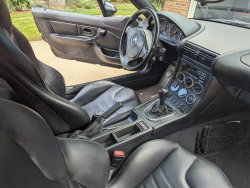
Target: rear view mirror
204,2
110,9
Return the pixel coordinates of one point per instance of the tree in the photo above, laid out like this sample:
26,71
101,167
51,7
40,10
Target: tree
18,5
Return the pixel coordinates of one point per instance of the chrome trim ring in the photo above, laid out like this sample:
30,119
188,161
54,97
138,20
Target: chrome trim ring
193,101
192,82
201,88
184,77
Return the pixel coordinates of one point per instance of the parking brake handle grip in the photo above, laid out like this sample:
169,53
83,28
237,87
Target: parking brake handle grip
100,33
113,109
96,127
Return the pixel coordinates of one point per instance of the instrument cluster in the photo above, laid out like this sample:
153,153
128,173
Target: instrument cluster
170,32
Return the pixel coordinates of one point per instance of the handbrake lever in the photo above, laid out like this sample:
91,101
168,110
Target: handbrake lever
96,127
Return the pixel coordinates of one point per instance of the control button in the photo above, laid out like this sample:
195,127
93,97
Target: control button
119,153
202,78
188,82
180,77
161,58
175,86
182,92
190,99
204,75
201,81
142,125
197,88
158,122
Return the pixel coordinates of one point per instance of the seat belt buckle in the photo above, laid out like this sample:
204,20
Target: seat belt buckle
94,117
117,158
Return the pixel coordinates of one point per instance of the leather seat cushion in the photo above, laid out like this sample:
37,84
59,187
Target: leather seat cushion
164,164
98,97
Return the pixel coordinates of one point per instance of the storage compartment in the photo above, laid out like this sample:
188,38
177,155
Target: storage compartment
127,132
106,140
220,136
110,53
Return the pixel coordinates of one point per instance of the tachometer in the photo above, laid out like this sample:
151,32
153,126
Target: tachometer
175,32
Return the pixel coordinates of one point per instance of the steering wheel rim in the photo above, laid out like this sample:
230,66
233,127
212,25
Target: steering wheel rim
155,40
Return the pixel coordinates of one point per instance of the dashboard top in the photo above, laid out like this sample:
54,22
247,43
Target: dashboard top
221,38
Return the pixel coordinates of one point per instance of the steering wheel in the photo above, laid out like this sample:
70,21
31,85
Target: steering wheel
141,43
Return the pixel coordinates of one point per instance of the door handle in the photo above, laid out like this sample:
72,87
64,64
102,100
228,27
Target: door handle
100,33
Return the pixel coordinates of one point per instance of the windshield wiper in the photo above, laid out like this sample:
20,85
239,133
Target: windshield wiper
231,22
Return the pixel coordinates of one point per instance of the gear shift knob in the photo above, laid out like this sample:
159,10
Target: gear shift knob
162,95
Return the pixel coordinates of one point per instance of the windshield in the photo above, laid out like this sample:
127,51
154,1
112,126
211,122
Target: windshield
228,10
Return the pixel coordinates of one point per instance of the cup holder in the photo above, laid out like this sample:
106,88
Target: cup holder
127,132
107,140
118,136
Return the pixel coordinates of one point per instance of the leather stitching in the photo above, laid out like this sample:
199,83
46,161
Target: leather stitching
129,158
155,183
69,182
165,176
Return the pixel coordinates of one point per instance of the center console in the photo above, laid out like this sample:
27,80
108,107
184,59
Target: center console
168,111
188,86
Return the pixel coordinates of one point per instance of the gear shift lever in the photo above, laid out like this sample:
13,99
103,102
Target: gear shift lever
162,95
159,108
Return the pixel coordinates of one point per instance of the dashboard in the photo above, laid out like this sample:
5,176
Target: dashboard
211,55
170,32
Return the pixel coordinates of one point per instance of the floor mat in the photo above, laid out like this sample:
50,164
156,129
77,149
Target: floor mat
235,163
146,94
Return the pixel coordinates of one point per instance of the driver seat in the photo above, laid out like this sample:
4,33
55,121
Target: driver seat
42,88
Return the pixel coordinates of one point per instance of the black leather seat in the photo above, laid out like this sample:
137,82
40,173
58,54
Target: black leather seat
32,157
42,88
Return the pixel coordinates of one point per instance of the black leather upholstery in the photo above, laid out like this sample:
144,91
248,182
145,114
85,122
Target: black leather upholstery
164,164
99,96
31,157
43,89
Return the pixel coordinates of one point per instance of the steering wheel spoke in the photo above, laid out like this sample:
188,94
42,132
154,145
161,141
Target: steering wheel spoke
128,29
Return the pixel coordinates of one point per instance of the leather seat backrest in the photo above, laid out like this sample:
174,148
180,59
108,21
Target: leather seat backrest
38,86
32,157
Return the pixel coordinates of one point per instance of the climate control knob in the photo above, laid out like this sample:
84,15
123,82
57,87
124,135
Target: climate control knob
175,86
180,77
197,88
188,82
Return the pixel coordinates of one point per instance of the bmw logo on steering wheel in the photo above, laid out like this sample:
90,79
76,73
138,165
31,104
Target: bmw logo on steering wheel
134,40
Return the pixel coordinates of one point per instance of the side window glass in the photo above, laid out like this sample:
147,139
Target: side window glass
88,7
119,8
158,4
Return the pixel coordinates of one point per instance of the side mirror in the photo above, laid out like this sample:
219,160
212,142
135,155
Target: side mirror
204,2
110,9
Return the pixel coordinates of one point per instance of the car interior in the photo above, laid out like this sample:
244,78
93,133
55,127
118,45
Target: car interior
180,119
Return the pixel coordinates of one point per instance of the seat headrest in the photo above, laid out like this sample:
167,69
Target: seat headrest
5,20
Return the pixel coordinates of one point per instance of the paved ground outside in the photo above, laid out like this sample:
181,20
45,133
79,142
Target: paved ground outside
74,72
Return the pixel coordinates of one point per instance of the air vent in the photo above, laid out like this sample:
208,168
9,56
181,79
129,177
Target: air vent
201,56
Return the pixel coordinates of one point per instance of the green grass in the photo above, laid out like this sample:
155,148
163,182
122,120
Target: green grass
26,24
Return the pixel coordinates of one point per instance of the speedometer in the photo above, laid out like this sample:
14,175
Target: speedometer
164,28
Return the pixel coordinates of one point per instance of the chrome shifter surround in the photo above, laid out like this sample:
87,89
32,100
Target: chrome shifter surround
163,117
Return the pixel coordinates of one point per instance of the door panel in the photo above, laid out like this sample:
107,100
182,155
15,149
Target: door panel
81,37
